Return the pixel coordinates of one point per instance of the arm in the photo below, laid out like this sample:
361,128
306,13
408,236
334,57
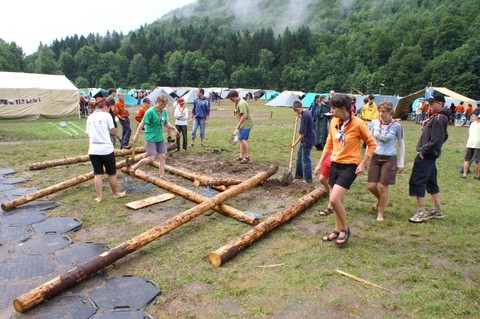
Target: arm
137,132
401,155
243,118
371,145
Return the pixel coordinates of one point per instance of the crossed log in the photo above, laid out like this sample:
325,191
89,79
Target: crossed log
235,245
6,206
194,197
94,264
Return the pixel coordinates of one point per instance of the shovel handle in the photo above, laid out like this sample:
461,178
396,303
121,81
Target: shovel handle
293,141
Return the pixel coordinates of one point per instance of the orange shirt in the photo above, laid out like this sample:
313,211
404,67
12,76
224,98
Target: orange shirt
141,112
350,151
121,109
460,108
469,110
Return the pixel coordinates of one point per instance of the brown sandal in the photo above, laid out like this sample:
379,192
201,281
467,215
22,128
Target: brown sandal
341,242
332,236
326,212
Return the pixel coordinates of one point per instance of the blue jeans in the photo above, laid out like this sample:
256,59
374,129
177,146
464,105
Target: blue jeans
198,121
304,163
126,131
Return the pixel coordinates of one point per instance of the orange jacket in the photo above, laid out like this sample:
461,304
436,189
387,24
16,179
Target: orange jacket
141,112
121,109
356,132
460,108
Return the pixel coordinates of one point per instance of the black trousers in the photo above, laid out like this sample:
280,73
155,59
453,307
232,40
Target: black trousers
183,131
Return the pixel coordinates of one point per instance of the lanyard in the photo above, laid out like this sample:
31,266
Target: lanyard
388,126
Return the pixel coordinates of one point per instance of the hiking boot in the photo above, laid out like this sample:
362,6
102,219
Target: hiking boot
433,214
418,217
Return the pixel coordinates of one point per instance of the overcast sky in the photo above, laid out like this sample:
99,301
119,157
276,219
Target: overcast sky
27,22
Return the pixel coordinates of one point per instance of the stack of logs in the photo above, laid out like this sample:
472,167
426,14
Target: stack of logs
235,186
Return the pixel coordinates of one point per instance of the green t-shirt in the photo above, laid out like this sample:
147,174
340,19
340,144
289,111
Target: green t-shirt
154,122
242,107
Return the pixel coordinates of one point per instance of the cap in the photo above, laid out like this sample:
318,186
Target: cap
437,97
181,101
146,100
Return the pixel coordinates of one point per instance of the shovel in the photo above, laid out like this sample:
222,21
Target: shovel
234,138
287,177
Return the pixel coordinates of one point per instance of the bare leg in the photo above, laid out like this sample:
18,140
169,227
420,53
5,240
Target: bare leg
324,182
337,200
436,202
161,165
477,170
382,202
143,161
243,148
112,180
98,181
466,164
373,188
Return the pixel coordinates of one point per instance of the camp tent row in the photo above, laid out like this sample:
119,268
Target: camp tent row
30,95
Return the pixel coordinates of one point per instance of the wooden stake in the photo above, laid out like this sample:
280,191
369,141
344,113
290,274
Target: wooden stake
363,281
233,247
194,197
83,270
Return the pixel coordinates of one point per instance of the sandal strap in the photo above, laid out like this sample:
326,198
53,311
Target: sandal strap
329,237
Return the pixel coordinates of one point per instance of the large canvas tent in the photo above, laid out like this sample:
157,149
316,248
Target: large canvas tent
450,97
30,95
284,99
155,93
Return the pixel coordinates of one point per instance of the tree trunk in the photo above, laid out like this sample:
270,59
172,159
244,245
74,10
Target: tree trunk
79,159
188,175
197,198
234,246
211,181
94,264
6,206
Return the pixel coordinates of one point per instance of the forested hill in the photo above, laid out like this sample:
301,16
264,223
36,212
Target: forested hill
348,45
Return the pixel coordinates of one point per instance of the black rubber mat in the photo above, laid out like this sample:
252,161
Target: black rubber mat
58,225
22,217
7,296
12,234
25,266
123,315
39,205
74,307
124,293
43,243
19,191
7,171
4,187
14,180
77,253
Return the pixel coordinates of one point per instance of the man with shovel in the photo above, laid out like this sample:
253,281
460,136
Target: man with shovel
245,124
306,139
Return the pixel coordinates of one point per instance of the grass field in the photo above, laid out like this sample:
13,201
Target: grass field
432,268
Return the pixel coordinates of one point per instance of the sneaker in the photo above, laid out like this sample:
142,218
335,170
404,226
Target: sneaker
239,159
418,217
433,214
245,160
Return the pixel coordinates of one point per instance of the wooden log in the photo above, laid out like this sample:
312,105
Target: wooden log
94,264
6,206
79,159
215,181
194,197
149,201
186,174
233,247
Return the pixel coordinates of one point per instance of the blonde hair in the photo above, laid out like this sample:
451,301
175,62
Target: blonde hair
162,98
387,105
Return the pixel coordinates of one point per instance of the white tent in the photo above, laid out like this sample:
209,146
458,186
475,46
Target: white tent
190,96
29,95
284,99
155,93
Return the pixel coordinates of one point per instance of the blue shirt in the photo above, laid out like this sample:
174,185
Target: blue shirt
385,135
201,107
306,128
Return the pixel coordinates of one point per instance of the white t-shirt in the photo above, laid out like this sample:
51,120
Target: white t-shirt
181,115
99,125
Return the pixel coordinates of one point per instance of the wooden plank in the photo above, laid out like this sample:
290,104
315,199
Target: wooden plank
149,201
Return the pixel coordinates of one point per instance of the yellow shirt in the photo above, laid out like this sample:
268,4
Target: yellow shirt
369,112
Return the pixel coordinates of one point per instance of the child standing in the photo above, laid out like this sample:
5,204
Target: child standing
181,121
306,140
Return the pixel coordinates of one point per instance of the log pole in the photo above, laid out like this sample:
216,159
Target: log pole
215,181
94,264
233,247
6,206
79,159
195,197
186,174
